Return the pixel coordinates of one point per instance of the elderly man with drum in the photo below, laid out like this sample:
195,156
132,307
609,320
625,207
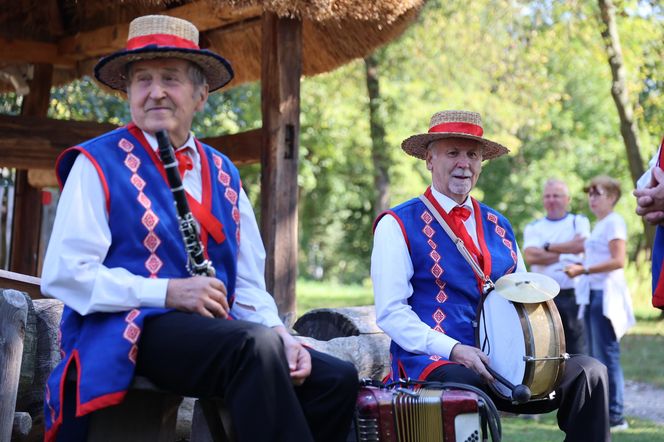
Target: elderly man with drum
434,261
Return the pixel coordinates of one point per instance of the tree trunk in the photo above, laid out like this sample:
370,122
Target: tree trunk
379,153
620,95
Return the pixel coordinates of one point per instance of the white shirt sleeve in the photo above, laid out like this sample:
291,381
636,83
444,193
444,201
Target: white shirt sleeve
582,226
73,271
252,301
530,237
391,271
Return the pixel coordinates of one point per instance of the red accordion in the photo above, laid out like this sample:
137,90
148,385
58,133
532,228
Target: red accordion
417,414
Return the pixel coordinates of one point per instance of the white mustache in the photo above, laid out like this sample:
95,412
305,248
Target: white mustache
462,173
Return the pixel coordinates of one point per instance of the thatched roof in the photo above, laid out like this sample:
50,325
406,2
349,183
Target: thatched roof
73,34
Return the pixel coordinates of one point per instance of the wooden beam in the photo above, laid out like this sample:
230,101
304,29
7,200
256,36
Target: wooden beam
23,283
241,148
280,93
205,15
35,142
26,229
33,52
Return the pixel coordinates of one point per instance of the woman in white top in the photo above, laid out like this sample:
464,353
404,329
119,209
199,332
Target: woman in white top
600,281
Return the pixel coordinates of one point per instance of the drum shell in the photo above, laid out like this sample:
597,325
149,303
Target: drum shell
544,333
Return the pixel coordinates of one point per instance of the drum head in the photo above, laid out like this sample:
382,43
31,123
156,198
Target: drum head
501,338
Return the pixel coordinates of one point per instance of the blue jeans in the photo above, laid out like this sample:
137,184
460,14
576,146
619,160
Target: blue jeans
605,348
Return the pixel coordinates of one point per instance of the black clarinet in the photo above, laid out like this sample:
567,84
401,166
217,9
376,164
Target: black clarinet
197,264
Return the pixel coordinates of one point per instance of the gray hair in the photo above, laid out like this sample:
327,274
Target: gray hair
554,181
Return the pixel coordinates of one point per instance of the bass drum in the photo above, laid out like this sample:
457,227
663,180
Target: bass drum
525,344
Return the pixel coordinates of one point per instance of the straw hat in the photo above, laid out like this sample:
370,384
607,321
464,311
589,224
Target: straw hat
453,124
161,36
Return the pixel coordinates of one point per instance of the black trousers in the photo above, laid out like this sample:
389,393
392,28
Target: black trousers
244,363
582,398
575,329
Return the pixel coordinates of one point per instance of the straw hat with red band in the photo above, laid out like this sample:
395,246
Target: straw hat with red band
453,124
161,36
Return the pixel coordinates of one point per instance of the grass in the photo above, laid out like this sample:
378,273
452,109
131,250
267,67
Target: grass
311,295
545,429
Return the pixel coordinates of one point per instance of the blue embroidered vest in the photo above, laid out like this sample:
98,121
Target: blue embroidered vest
446,291
146,241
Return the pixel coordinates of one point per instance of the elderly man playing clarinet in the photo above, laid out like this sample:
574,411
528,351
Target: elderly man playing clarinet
427,292
117,260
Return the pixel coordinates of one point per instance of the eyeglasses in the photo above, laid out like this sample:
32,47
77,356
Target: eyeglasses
595,191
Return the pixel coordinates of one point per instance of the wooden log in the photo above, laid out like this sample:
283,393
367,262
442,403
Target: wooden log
329,323
13,316
40,357
22,426
350,334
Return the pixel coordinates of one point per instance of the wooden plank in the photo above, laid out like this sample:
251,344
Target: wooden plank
23,283
13,315
280,92
24,255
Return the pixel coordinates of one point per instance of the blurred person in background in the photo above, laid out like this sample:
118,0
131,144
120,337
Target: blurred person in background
601,280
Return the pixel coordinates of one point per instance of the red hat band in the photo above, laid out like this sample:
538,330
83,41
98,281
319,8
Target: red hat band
165,40
462,128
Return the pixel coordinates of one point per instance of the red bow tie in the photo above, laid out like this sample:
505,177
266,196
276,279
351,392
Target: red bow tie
461,212
185,162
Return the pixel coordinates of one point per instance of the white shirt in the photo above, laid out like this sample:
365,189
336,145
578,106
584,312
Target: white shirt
556,231
616,300
74,272
597,248
391,271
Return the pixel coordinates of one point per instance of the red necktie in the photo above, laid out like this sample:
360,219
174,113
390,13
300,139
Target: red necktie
459,215
185,162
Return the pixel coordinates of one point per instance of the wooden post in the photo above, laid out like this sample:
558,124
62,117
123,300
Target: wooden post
13,314
280,94
28,205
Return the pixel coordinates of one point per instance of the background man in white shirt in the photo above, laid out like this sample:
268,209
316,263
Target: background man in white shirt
427,295
553,242
117,260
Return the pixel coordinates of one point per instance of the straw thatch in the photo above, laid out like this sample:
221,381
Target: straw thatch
334,31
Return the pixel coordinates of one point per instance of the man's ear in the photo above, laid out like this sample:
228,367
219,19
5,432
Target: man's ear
427,159
204,91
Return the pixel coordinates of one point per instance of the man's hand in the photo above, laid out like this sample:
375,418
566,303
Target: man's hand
299,359
473,358
199,294
650,200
